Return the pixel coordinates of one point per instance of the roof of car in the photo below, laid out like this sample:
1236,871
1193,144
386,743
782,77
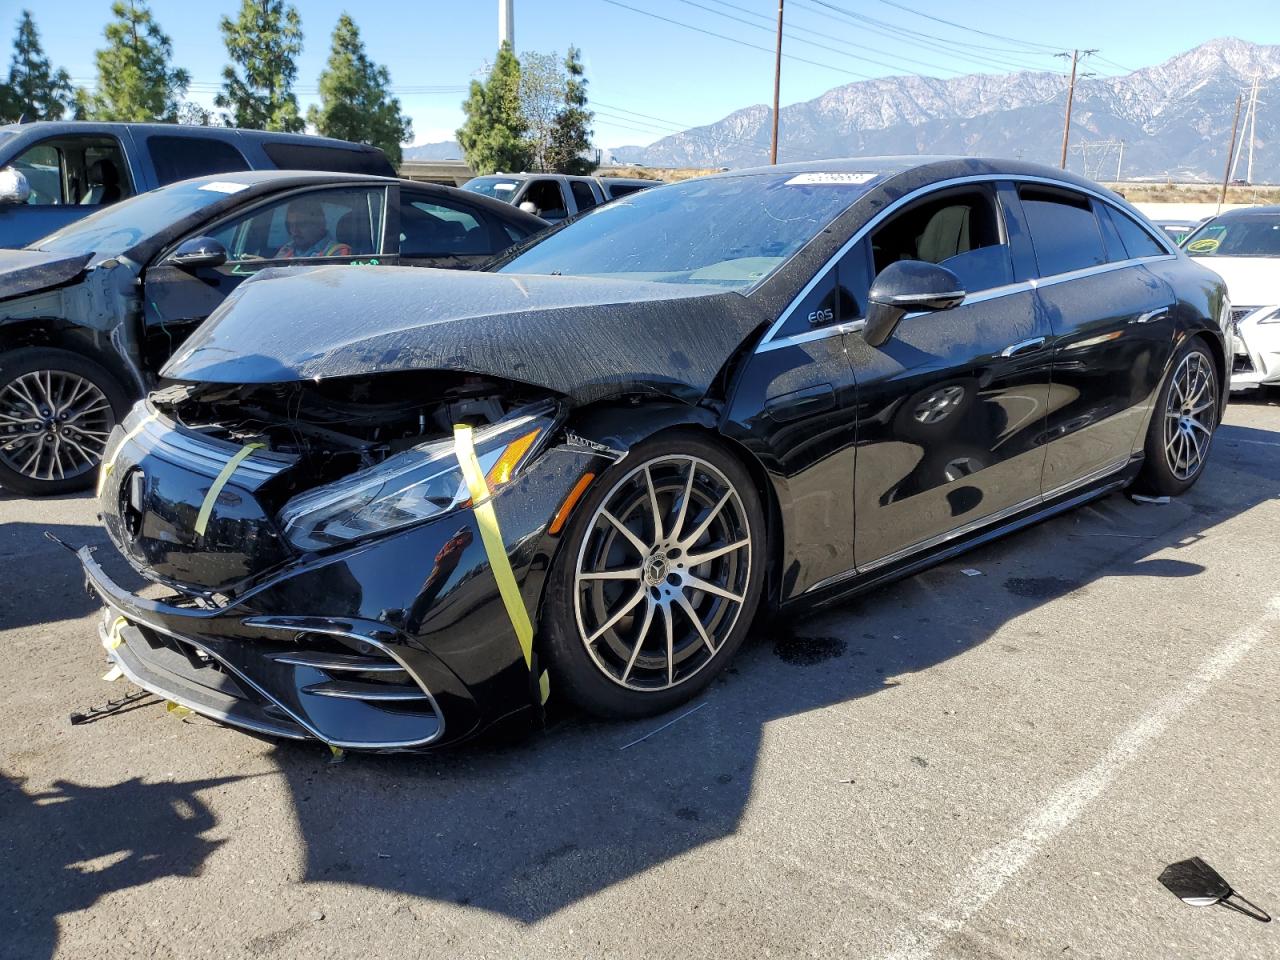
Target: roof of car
944,167
46,128
1268,210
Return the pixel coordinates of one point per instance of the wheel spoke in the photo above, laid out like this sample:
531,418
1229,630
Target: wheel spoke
671,643
1197,425
706,586
653,506
684,502
641,547
687,607
622,612
706,522
633,574
644,630
698,559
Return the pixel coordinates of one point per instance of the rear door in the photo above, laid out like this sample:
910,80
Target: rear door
1111,325
311,227
951,408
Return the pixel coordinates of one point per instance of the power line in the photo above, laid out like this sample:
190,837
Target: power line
961,26
954,48
742,43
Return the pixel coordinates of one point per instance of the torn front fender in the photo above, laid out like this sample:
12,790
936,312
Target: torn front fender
23,272
582,337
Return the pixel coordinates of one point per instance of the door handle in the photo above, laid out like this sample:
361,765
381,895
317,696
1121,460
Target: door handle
1023,347
1151,316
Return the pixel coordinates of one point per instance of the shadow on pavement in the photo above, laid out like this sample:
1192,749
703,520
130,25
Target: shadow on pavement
528,828
67,847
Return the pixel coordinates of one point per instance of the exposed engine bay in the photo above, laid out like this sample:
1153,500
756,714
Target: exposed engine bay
341,425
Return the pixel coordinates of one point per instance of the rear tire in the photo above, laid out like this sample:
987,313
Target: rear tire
1182,423
681,583
57,409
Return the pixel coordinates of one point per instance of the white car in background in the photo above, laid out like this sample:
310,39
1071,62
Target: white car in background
1243,247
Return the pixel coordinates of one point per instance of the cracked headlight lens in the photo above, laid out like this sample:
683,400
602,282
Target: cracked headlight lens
422,482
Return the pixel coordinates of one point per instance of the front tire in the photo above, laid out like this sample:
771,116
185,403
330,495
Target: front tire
657,580
57,409
1182,424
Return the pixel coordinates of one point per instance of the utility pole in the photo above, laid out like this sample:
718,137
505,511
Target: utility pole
507,23
1231,149
1120,161
1253,127
777,85
1076,57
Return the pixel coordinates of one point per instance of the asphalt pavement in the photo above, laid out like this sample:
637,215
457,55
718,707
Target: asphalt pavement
995,765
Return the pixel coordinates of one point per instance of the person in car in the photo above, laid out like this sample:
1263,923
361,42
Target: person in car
308,233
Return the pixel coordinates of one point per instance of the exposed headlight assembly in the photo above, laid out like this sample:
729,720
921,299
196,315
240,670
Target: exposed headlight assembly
422,482
1272,317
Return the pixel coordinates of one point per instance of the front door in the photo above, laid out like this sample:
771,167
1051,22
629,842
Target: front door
951,409
313,227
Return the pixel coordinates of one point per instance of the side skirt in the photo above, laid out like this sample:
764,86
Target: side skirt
860,583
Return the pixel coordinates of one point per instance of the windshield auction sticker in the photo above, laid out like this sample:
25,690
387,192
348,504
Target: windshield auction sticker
830,179
223,186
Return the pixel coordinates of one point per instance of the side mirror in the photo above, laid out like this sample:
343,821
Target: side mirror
528,207
906,286
14,187
199,252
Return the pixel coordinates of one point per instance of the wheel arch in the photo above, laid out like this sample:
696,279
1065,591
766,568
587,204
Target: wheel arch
60,334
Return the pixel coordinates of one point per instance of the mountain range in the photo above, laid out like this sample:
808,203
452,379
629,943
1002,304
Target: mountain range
1174,120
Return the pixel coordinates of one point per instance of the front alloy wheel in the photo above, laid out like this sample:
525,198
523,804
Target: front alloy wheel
1182,423
660,578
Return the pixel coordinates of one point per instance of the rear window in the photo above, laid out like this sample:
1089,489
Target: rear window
1137,241
1064,231
1252,235
617,190
582,195
181,158
306,156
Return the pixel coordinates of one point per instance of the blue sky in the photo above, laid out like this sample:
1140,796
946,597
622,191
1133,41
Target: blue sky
648,76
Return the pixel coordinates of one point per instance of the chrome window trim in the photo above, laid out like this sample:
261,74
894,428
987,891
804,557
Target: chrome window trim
771,341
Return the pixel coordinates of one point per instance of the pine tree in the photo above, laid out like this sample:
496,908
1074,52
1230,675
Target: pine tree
571,133
494,135
135,80
34,89
355,103
264,41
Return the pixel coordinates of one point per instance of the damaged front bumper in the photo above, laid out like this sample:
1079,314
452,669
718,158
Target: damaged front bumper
1255,347
397,642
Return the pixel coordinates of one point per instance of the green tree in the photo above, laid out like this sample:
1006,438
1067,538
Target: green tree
494,135
355,102
34,89
542,82
257,86
135,80
570,146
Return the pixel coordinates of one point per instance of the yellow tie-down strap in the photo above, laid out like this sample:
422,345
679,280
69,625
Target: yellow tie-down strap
104,471
491,537
206,508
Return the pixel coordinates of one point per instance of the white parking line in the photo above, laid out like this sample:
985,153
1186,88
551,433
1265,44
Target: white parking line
990,870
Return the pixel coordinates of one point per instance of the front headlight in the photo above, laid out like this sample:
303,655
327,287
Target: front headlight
1272,317
422,482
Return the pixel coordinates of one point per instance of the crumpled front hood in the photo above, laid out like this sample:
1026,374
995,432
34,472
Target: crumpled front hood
24,272
585,338
1251,281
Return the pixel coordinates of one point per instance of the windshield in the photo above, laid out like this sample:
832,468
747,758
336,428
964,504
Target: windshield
116,228
1254,235
723,231
501,188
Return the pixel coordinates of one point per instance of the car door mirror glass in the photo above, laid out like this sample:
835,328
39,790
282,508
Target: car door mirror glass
1197,884
199,252
14,187
906,286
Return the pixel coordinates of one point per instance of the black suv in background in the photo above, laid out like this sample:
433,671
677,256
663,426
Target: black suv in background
67,169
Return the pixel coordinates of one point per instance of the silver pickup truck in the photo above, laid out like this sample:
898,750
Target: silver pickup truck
555,196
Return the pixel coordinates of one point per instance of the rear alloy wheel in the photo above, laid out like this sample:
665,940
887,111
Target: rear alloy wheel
57,410
1182,424
659,581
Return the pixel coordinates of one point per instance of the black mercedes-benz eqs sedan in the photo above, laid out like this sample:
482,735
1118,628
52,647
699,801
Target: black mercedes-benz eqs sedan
389,507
